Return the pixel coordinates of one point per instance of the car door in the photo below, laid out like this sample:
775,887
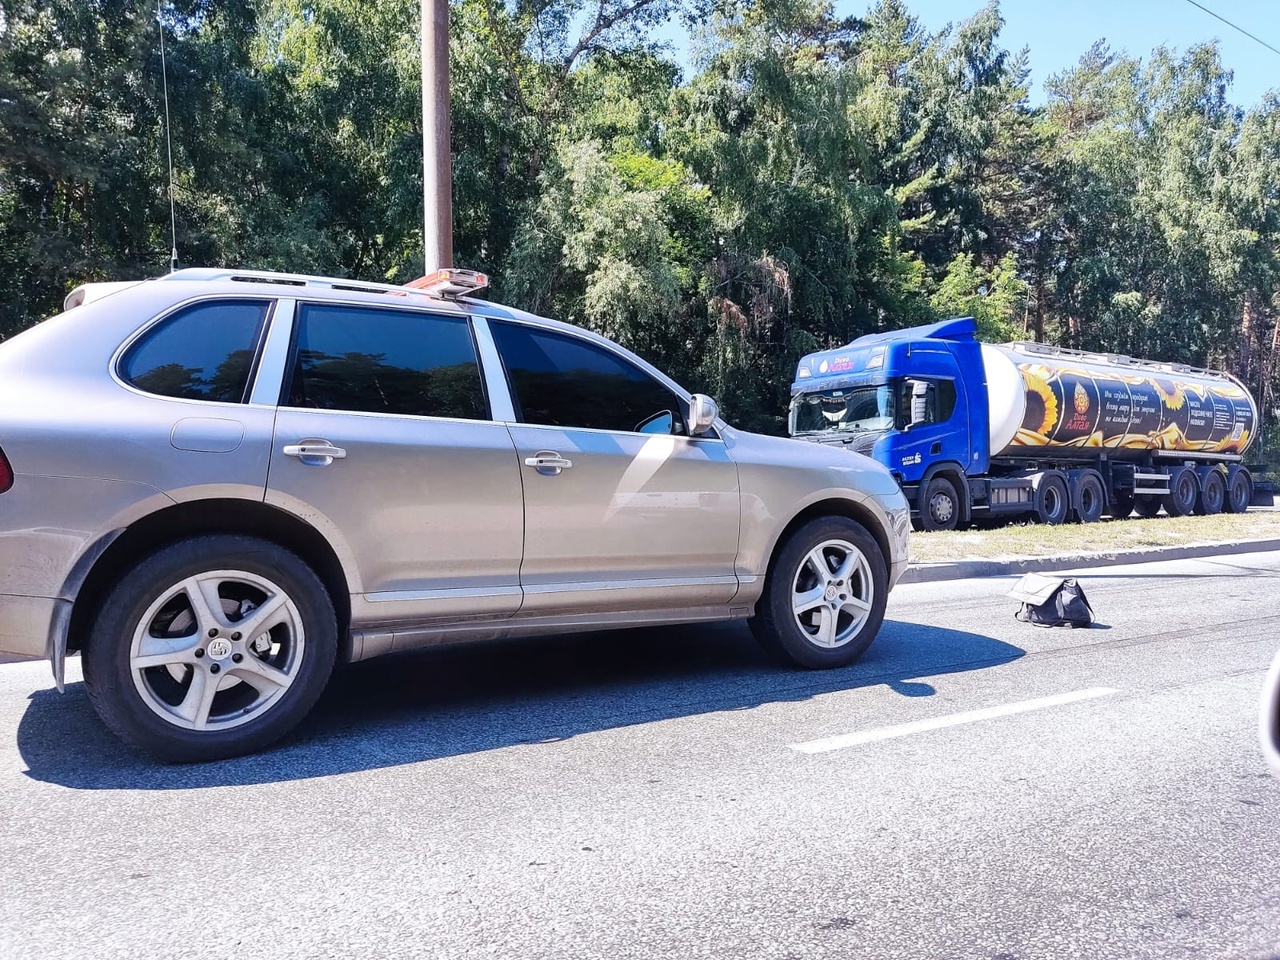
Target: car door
624,511
384,442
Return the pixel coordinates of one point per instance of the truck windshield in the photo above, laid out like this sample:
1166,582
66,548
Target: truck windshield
846,410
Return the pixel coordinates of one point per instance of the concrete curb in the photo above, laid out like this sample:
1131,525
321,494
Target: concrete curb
963,569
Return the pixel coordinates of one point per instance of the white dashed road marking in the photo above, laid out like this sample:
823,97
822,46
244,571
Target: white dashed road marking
827,744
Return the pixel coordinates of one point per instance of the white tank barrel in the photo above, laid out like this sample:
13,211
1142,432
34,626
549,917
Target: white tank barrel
1006,395
1045,399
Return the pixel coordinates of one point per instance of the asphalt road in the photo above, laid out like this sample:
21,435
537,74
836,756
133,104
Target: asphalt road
974,788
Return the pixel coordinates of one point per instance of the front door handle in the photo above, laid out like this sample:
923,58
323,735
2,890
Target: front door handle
316,453
548,463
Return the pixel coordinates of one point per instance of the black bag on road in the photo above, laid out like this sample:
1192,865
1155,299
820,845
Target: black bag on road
1052,601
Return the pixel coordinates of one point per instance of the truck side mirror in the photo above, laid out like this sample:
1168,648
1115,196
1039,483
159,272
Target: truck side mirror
702,414
1269,721
919,402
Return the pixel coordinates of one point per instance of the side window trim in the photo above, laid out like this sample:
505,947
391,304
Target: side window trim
618,355
682,394
493,372
126,349
273,357
290,338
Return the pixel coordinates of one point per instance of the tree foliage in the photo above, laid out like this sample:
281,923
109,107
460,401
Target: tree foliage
814,178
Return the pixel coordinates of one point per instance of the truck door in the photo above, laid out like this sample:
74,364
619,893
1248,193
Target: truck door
931,431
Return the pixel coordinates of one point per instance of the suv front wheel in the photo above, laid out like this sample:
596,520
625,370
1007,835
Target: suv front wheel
210,648
825,595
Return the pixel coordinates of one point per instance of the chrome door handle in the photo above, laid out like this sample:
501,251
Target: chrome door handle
548,463
316,452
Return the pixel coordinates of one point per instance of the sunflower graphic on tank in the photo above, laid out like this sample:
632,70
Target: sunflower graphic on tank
1061,407
1042,406
1071,406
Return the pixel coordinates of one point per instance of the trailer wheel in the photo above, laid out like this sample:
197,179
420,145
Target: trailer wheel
1184,488
1213,491
940,505
1090,498
1239,490
1147,507
1051,501
1122,505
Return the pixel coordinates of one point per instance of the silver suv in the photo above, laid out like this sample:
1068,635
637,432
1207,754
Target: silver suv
217,485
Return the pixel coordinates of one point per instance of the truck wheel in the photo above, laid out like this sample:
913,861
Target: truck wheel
1051,501
1184,488
824,596
1239,490
1213,492
1147,507
1121,506
212,647
1090,498
940,505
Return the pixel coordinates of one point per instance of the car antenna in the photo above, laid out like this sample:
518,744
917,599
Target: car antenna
168,140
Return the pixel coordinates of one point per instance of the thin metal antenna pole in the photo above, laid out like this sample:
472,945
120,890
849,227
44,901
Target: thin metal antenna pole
168,141
437,173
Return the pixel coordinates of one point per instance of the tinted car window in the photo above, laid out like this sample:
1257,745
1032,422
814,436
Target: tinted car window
204,352
562,381
386,361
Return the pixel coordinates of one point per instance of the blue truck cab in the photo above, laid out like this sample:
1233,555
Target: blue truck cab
915,400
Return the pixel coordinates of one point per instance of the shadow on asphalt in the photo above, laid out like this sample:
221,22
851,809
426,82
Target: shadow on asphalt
410,708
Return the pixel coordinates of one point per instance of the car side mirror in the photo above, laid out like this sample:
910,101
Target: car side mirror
1269,721
702,414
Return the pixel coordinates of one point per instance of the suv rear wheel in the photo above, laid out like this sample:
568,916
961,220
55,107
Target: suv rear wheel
210,648
825,595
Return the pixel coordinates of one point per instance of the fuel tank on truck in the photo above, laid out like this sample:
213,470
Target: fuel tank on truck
1048,401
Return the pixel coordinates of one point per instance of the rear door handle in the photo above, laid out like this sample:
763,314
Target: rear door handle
318,453
548,463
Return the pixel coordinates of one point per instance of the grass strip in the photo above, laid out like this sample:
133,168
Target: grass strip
1106,536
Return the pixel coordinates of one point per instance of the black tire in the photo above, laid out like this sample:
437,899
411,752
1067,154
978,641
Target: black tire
1239,490
1147,507
1184,489
939,505
1052,505
1121,506
262,684
1213,493
796,637
1091,499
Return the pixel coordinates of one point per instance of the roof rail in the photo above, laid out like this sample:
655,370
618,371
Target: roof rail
301,280
1116,359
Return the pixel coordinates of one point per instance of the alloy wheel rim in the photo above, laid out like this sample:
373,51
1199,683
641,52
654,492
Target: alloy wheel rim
832,593
216,650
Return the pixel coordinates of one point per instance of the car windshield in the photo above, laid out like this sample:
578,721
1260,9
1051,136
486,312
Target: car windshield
846,410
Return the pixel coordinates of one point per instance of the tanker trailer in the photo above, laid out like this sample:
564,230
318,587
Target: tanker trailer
973,431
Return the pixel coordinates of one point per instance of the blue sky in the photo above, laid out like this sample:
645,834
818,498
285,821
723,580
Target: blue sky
1059,31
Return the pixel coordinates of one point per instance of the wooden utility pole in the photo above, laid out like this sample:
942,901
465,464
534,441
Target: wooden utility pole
437,173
